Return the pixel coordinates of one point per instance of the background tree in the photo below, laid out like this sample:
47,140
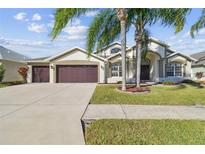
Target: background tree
2,72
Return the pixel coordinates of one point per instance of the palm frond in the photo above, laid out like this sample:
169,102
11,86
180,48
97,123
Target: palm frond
63,16
96,28
199,24
145,43
105,28
173,17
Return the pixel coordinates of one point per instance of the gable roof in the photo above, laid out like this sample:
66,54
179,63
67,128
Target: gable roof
7,54
72,49
110,45
175,52
199,55
158,41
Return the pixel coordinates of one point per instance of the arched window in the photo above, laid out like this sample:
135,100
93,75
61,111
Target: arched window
115,50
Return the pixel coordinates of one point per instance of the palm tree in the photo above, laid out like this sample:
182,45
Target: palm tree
199,24
122,17
106,27
64,16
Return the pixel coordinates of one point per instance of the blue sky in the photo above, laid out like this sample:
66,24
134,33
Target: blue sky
27,31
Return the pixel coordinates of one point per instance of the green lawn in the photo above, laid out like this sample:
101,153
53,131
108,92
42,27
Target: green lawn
145,132
6,84
166,95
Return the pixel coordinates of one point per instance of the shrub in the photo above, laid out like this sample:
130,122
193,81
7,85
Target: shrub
199,75
119,82
191,82
169,83
23,71
2,72
202,82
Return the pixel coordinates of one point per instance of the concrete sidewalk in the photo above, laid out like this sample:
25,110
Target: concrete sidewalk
95,112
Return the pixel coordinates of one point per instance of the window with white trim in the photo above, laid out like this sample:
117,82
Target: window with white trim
174,69
116,70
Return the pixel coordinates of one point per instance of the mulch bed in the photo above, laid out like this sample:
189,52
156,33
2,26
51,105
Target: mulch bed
134,89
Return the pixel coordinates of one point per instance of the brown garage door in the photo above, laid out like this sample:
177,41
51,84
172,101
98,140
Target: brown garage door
77,73
40,74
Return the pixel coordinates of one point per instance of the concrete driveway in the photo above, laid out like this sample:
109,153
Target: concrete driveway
43,113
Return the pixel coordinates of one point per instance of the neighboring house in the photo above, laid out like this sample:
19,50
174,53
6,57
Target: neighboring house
199,65
161,64
11,61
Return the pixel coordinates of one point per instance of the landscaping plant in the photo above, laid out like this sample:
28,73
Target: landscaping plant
199,75
23,71
2,72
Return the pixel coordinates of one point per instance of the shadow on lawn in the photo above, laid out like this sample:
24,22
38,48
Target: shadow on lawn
193,83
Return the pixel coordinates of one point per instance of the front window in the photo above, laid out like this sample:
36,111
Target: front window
174,69
115,50
116,69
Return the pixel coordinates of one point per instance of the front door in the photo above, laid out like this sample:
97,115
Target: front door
144,72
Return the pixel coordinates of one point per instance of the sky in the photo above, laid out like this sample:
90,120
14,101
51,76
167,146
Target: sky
27,31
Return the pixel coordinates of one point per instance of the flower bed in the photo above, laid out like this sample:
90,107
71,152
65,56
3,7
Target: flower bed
134,89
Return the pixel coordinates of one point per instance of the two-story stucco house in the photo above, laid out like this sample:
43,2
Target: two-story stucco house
161,64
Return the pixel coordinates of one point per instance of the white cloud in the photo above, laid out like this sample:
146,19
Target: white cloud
91,13
38,28
199,41
36,17
74,33
72,30
186,35
75,22
19,42
51,24
201,31
172,37
51,15
20,16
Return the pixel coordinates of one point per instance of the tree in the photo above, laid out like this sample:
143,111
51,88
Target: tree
64,16
122,17
106,27
2,72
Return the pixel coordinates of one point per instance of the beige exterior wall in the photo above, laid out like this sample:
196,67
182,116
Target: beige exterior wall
154,67
75,57
11,73
157,48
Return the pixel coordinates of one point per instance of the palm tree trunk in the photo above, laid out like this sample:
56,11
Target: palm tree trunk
123,51
122,16
138,56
